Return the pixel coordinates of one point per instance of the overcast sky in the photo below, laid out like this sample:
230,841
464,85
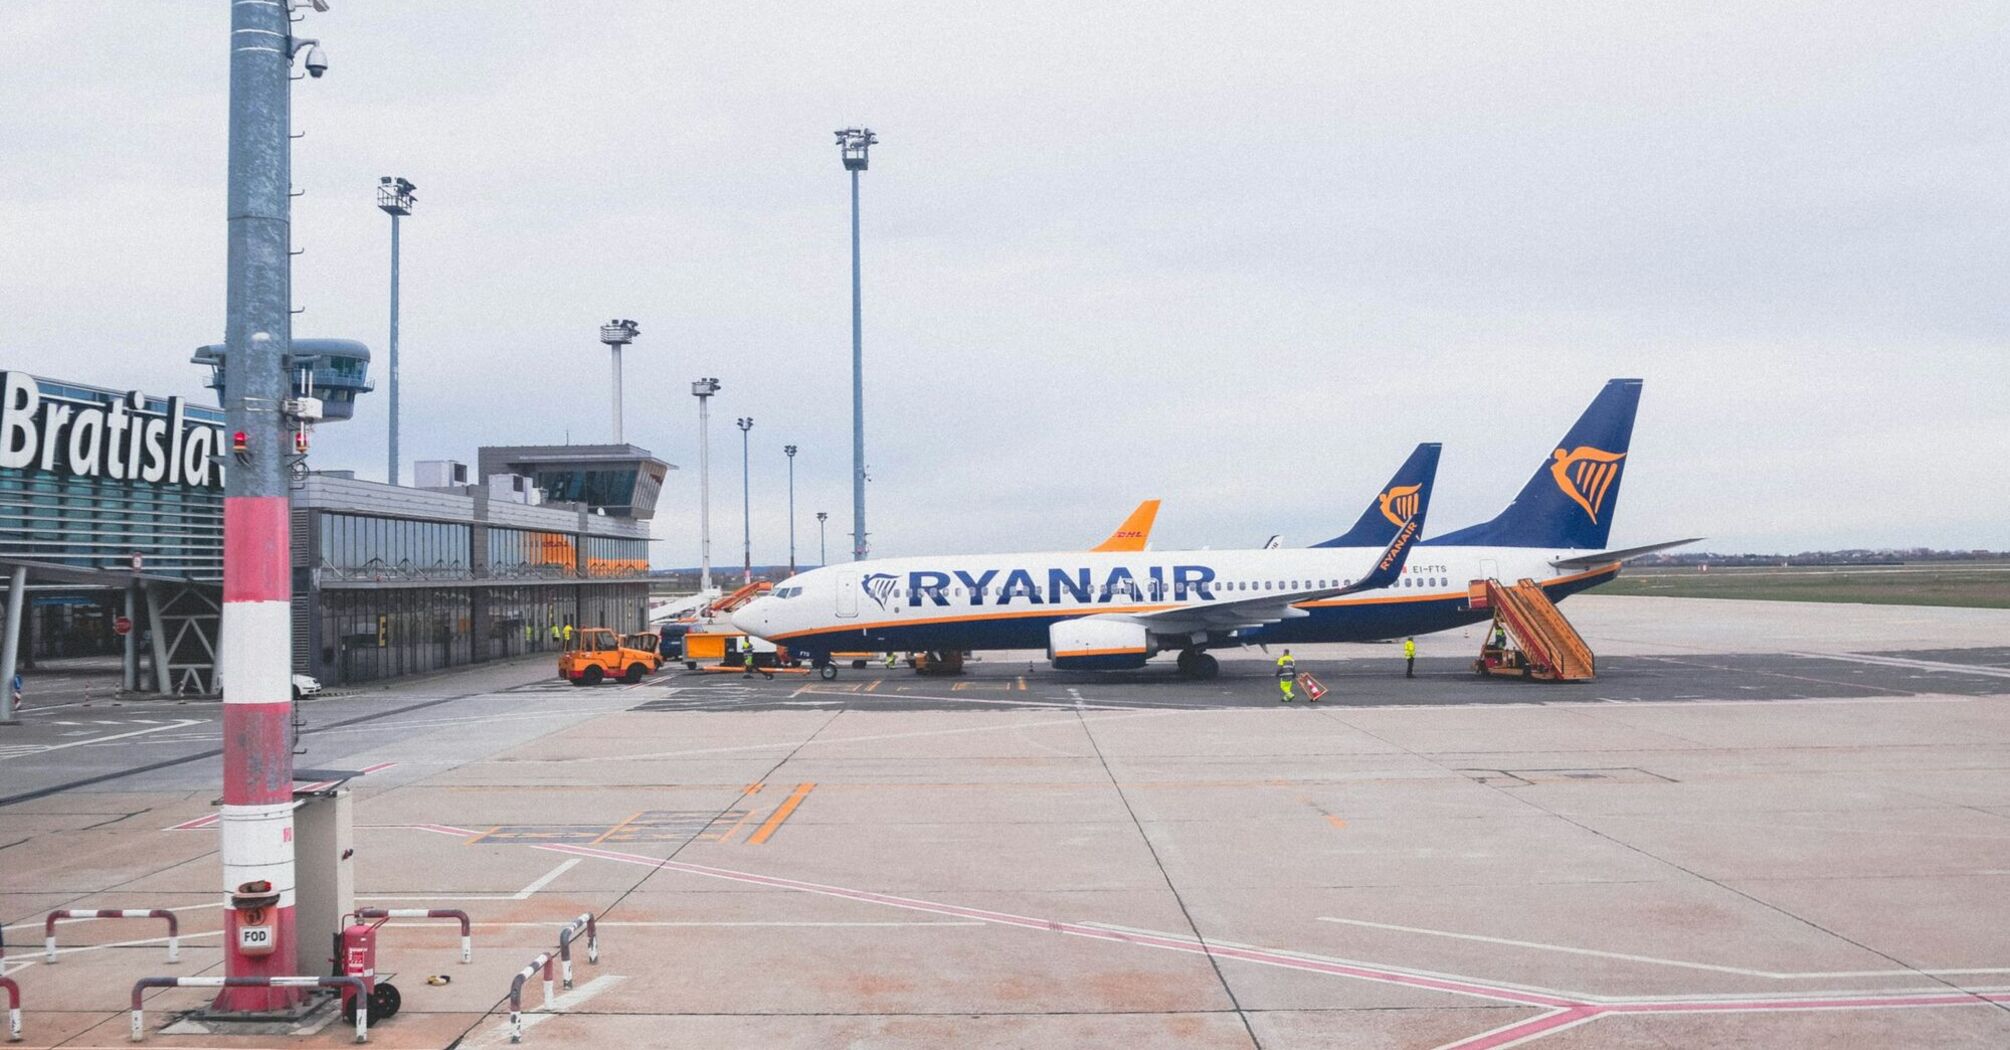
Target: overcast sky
1240,257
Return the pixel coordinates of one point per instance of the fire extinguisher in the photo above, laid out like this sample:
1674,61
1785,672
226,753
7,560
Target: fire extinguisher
356,956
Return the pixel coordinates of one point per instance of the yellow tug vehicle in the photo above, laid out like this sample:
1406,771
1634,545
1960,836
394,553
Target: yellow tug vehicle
597,654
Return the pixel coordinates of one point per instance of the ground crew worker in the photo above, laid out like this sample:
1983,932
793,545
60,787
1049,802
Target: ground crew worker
529,636
554,632
892,661
748,666
567,633
1409,658
1287,675
1500,635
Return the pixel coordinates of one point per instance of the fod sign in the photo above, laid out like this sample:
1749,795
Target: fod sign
120,439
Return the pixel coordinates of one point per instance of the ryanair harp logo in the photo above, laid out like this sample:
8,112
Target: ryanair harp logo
1586,474
1399,503
879,586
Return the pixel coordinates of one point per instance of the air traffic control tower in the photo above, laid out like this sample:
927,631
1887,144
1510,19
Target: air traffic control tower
620,481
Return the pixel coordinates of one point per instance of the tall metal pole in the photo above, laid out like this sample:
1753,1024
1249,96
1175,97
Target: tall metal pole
857,391
823,555
703,390
394,198
617,334
391,471
256,821
791,452
746,424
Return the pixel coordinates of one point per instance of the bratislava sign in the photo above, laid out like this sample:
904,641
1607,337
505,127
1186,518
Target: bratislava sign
120,439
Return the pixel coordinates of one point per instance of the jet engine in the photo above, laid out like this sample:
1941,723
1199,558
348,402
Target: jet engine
1094,644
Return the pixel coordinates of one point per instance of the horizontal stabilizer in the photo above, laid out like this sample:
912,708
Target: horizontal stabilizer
1586,561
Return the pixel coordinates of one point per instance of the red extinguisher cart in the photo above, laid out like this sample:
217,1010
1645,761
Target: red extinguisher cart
356,956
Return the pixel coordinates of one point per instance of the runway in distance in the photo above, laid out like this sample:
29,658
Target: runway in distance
1115,611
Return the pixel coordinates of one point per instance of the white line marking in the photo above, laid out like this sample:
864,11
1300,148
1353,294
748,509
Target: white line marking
565,1003
103,739
1982,670
1655,961
524,894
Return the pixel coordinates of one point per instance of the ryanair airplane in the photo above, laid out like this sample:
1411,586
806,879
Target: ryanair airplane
1115,610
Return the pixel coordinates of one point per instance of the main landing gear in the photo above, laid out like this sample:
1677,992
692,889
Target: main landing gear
1196,664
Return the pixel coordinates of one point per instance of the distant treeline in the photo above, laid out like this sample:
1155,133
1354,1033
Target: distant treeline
1913,555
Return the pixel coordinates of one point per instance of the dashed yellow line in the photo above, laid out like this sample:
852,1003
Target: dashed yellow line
781,814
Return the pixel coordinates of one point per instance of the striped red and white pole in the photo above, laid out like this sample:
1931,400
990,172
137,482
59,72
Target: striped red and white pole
255,659
257,817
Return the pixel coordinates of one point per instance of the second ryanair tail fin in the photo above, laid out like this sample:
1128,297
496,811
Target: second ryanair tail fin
1397,503
1135,532
1568,503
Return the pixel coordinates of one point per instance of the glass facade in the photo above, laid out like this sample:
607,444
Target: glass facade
100,523
371,633
361,546
610,557
523,553
595,488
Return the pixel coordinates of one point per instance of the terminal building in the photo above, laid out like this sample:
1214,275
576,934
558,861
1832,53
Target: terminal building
111,516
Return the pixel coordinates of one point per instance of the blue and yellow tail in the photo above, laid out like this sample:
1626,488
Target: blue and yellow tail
1569,502
1399,500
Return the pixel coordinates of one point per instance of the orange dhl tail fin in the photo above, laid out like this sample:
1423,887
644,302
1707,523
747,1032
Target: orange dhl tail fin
1134,532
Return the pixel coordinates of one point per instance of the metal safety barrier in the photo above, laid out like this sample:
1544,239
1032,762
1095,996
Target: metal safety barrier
565,937
516,994
13,1009
355,984
174,926
467,936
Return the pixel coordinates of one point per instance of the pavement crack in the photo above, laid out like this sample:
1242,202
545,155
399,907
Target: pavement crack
1159,863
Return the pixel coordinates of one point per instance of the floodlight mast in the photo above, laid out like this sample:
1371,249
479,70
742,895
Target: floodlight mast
703,390
394,198
855,148
616,334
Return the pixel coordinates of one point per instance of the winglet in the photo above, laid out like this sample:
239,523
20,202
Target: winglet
1389,567
1385,513
1136,530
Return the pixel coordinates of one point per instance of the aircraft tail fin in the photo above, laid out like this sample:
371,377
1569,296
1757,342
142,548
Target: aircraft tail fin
1135,532
1401,499
1568,503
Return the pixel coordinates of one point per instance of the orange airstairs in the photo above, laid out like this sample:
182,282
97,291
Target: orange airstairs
1530,639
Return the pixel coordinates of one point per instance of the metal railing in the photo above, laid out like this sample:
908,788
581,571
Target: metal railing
516,993
174,926
354,984
467,936
565,937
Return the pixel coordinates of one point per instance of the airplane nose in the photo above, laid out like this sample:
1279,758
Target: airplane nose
751,617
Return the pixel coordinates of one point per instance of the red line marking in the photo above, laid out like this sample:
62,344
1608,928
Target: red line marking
1563,1011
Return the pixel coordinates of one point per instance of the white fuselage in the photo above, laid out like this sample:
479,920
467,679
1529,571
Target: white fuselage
1008,601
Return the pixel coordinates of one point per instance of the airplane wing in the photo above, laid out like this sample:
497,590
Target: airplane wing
1258,610
1136,531
1586,561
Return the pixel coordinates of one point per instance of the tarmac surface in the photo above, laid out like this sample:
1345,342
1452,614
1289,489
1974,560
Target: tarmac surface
1764,824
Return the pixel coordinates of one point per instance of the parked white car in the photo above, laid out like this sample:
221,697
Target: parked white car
305,685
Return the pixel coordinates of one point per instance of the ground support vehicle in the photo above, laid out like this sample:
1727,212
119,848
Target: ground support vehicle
597,653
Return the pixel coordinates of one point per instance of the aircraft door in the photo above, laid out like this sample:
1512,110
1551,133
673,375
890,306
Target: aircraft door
847,594
1489,569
